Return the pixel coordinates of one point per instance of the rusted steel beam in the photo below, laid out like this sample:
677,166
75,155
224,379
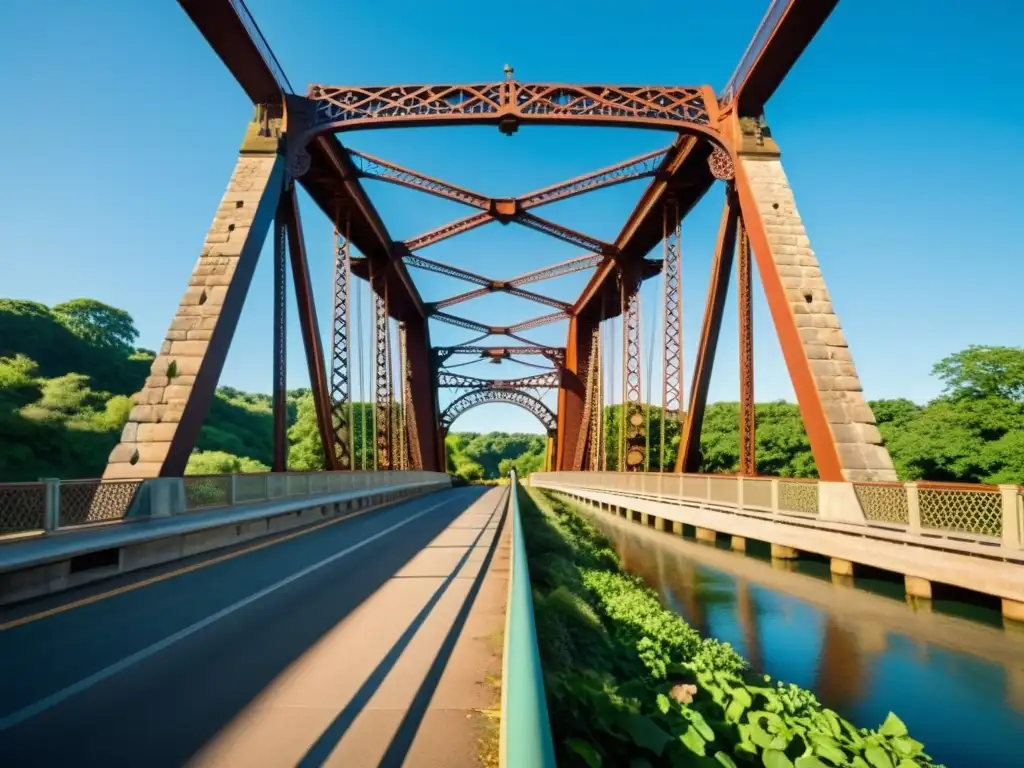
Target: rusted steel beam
495,330
371,167
310,328
234,36
477,397
341,382
509,103
672,326
567,267
688,459
446,269
509,209
780,39
383,392
449,380
424,412
279,462
748,445
499,287
685,174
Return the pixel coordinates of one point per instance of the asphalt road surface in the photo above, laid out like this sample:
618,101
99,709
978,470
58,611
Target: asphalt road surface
146,670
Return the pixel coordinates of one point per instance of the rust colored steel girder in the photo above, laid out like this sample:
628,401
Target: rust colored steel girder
513,396
632,430
596,443
567,267
310,327
782,36
494,330
555,355
449,380
383,392
685,174
510,286
499,287
509,103
748,445
280,391
341,385
689,458
672,361
672,323
510,209
587,433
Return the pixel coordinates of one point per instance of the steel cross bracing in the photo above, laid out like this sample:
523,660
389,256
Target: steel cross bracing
341,395
672,362
507,210
383,390
449,380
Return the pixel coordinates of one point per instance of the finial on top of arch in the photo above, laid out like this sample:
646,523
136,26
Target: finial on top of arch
508,71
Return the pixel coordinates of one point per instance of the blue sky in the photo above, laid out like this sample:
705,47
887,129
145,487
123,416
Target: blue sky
902,131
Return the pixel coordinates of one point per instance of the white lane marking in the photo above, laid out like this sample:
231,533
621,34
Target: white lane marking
53,699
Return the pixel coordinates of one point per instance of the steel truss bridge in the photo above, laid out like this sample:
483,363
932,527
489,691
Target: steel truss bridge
713,137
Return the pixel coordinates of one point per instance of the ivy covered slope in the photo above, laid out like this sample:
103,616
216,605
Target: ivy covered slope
629,683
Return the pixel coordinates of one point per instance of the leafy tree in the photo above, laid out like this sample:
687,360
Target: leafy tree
983,372
99,324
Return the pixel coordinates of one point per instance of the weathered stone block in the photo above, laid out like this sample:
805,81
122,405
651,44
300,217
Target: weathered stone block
188,348
158,433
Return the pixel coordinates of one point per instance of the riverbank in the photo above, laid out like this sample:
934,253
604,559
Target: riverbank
629,683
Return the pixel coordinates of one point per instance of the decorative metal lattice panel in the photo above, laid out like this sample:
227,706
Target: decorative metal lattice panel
22,507
346,107
92,501
884,503
516,397
949,509
798,497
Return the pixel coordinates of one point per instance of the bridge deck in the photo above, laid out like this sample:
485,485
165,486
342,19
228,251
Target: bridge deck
363,642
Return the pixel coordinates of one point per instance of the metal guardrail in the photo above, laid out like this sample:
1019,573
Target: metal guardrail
984,513
525,740
52,504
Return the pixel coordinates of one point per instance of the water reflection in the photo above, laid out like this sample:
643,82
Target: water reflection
958,683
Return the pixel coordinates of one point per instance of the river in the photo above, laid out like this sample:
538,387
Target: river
958,683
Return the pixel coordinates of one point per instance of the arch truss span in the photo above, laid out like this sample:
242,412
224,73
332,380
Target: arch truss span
335,108
479,397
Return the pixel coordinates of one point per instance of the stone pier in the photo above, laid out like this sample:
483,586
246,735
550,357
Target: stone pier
184,374
799,297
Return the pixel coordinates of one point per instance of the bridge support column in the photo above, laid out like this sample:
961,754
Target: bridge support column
1013,610
782,552
706,536
169,410
918,587
572,391
840,425
428,441
841,567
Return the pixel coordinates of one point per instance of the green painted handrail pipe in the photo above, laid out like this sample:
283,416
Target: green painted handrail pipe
525,728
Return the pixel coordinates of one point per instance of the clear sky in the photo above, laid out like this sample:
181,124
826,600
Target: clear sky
902,131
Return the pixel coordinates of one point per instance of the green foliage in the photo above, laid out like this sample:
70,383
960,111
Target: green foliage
983,372
630,683
476,457
220,463
98,324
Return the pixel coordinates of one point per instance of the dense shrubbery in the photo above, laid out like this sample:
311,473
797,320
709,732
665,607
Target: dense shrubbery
629,683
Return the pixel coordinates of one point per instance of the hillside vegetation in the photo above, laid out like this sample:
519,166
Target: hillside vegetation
67,374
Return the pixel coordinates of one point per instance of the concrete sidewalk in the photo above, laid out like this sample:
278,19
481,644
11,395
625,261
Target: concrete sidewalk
402,680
